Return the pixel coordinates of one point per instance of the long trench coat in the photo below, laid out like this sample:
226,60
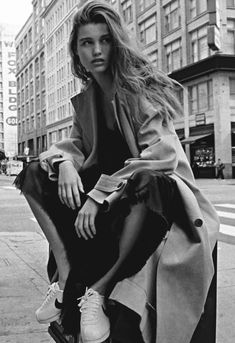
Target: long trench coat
170,291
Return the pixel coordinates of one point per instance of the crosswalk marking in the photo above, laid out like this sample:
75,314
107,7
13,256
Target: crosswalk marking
8,187
226,205
226,214
227,229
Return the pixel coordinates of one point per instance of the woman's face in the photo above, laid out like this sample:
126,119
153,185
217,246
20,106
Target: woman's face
94,47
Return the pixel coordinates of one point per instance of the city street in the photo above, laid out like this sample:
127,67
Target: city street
23,257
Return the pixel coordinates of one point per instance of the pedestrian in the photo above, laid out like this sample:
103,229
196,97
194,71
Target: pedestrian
131,235
220,169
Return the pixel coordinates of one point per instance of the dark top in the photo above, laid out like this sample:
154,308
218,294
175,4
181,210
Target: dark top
112,147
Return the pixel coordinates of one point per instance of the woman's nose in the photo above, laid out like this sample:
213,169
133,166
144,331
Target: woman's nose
97,49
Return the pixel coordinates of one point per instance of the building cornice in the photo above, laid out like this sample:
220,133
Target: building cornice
59,122
217,62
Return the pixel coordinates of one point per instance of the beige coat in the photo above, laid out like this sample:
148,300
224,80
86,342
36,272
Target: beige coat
173,285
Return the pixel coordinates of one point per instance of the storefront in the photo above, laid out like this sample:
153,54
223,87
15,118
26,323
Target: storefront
202,155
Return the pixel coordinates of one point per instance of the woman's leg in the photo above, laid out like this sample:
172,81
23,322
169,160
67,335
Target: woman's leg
34,191
139,239
55,242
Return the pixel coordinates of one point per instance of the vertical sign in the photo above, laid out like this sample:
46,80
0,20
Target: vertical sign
9,93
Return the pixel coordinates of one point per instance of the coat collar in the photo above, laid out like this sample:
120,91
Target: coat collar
85,105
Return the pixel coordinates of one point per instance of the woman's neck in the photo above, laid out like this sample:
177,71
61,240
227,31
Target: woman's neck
105,81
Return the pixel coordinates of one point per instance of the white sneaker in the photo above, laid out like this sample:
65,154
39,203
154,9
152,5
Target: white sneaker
48,311
95,325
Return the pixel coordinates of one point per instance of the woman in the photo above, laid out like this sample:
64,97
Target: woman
118,194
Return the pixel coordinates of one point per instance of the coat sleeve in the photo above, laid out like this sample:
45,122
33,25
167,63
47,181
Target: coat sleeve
70,149
157,142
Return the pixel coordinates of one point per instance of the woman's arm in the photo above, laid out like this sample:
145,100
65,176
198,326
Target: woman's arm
70,149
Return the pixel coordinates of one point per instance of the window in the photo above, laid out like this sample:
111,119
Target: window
232,88
153,57
199,45
148,30
230,48
230,3
173,55
172,16
143,4
52,137
196,7
127,11
63,133
201,97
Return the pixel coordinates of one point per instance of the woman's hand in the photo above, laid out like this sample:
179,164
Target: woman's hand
69,185
85,222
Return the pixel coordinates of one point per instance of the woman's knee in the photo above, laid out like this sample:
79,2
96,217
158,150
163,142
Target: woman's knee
33,178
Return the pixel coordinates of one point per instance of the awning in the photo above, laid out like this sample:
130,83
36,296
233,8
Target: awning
193,139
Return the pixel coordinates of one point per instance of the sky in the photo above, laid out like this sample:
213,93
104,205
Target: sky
15,12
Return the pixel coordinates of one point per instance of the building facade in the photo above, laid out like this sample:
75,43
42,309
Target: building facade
193,41
8,111
61,85
31,84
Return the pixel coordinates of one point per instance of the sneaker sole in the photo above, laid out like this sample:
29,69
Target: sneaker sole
49,320
100,340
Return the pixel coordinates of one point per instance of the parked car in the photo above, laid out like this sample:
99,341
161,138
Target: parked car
13,167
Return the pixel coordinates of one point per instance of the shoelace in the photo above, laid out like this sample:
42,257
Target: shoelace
50,293
89,304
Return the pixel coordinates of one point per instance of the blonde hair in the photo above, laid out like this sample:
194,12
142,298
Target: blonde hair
132,72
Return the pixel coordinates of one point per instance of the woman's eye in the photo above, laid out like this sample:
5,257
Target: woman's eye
85,43
106,40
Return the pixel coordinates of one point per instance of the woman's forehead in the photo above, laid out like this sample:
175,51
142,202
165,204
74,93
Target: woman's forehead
93,30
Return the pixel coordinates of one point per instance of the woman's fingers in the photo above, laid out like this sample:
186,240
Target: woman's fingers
85,225
79,227
76,196
69,197
80,185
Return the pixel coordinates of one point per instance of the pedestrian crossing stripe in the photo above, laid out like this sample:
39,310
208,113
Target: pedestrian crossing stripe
226,205
226,214
227,229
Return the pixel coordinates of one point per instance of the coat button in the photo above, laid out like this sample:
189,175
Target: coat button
198,222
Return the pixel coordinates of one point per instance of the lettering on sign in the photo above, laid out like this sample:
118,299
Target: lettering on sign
12,121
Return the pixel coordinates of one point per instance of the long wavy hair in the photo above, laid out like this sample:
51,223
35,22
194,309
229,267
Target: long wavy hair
132,72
